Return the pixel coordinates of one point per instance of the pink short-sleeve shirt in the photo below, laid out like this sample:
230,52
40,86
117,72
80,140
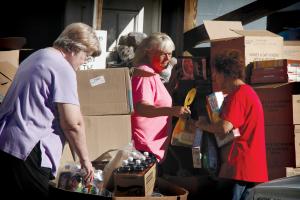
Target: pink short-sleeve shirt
150,134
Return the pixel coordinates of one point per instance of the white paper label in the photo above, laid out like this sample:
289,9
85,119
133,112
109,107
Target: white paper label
97,81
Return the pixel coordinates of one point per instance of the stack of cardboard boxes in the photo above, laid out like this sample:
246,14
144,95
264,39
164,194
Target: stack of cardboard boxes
290,171
9,62
106,104
278,113
276,98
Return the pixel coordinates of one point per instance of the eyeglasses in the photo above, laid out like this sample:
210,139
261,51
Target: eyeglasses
166,54
89,59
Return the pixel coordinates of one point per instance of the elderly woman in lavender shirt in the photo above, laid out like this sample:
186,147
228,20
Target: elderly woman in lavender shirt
41,111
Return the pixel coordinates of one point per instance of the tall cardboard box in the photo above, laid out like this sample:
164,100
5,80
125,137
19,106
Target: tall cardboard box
103,133
291,50
296,109
277,103
253,45
9,62
105,91
280,149
297,145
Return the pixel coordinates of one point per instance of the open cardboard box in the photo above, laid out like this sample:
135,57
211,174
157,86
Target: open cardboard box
253,45
291,50
9,62
167,189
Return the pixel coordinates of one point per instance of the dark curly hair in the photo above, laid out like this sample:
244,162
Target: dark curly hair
230,64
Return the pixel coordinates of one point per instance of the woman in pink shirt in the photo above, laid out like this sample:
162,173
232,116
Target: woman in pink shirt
151,121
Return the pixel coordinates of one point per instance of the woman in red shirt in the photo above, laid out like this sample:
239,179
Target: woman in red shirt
244,159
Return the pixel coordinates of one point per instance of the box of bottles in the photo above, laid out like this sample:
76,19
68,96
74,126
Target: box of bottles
135,178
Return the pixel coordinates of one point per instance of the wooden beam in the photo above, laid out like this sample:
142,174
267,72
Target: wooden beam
190,13
99,6
245,14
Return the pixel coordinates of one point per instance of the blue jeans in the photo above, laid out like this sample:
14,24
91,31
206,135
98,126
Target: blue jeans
241,190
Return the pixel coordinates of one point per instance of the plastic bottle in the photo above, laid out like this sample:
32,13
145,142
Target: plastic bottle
138,167
144,162
98,182
125,167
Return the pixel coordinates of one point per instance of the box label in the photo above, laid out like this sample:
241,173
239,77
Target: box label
97,81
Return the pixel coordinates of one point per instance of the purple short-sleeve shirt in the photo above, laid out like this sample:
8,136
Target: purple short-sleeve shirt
29,114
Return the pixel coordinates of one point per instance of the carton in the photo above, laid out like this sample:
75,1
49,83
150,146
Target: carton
140,184
168,190
271,71
277,102
9,62
297,145
253,45
290,171
280,149
105,91
103,133
296,109
291,50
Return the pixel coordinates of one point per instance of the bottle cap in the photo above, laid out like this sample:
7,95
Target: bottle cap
134,154
138,162
125,162
146,153
130,158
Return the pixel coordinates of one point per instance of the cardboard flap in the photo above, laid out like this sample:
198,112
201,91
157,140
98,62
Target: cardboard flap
7,70
10,43
220,30
291,43
255,33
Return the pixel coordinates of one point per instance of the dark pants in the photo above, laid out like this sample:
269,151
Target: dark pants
24,178
229,189
241,190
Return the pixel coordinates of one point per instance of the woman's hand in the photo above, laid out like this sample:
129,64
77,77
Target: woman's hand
181,111
202,122
87,166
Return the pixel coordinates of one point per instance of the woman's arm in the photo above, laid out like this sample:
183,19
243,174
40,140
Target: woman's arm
222,127
146,110
72,124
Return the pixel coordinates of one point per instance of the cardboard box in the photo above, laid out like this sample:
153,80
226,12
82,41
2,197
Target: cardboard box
253,45
11,57
280,149
135,184
105,91
9,62
294,77
103,133
290,171
297,145
199,186
296,109
168,190
277,103
291,50
270,78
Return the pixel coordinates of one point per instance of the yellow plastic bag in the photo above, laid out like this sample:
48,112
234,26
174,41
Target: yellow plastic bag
183,133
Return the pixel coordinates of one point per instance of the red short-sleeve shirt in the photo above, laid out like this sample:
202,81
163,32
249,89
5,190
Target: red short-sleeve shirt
246,159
